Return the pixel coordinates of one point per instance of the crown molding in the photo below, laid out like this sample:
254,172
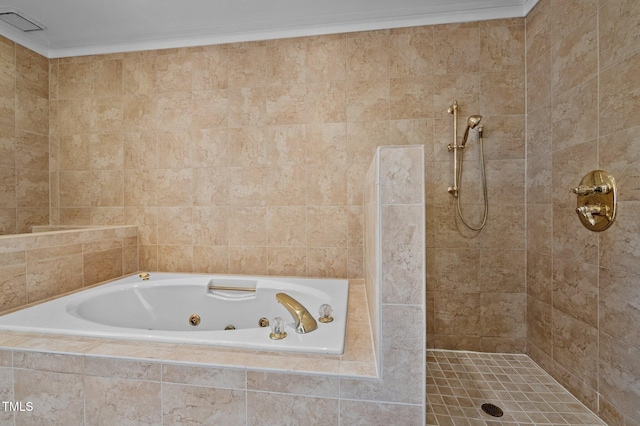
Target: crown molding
232,33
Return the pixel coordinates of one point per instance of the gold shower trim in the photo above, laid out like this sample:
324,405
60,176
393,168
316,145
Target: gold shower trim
597,200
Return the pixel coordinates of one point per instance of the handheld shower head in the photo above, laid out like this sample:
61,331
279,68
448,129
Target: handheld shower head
472,123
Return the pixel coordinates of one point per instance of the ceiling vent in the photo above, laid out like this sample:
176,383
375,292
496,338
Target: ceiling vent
20,20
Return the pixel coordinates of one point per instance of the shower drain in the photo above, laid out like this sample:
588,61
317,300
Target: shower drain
492,410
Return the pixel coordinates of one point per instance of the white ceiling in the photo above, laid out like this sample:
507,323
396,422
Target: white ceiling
84,27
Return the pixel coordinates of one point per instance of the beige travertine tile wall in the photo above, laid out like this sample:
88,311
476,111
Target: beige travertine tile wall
38,266
251,157
583,288
476,280
24,138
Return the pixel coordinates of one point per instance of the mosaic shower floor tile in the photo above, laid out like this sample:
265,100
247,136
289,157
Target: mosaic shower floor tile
518,390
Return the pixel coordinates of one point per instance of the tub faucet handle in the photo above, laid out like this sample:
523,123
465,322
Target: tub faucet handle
326,313
277,329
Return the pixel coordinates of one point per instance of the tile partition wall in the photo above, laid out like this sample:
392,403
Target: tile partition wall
395,246
583,114
394,238
372,249
249,158
92,381
24,139
37,266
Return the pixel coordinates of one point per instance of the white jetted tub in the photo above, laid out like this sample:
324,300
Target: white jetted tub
224,310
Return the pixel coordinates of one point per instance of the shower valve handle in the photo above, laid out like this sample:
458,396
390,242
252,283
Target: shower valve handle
591,210
589,190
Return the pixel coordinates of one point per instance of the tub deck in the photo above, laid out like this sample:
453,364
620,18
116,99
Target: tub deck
357,361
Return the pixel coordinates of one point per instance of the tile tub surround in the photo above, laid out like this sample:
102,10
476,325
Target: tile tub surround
89,381
583,106
37,266
93,381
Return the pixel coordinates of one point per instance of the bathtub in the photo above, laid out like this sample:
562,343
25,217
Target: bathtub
203,309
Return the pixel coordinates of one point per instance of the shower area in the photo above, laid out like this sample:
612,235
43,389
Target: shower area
476,202
536,279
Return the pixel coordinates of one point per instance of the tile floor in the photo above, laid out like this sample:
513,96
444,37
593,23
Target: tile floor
458,383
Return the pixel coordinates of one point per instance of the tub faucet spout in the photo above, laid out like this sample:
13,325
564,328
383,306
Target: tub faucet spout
305,322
